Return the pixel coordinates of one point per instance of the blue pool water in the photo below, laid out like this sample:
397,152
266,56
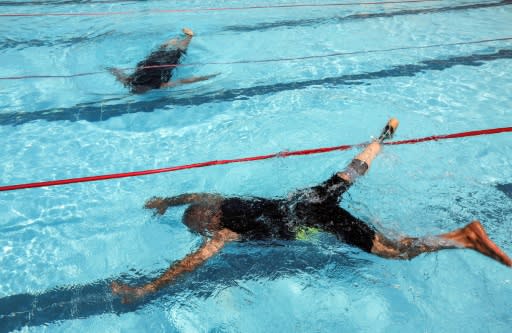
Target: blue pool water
61,247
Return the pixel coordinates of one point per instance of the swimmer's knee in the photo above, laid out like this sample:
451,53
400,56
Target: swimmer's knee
403,249
354,170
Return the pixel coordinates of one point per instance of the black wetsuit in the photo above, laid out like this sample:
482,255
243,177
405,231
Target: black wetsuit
318,207
145,78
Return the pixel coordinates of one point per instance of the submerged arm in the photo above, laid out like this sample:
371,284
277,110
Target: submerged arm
187,264
186,81
161,204
119,74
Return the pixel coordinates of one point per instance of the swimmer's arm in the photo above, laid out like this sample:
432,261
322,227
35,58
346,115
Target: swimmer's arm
119,74
169,84
186,81
187,264
160,204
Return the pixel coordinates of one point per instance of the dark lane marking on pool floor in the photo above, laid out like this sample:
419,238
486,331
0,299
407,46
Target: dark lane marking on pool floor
10,43
221,272
95,112
505,188
364,16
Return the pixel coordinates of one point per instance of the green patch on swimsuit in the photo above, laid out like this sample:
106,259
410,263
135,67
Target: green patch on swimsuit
306,233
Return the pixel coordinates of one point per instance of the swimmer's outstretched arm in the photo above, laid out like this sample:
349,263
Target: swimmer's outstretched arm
186,81
187,264
160,204
361,163
119,74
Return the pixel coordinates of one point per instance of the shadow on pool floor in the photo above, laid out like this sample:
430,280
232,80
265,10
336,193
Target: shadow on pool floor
505,188
238,262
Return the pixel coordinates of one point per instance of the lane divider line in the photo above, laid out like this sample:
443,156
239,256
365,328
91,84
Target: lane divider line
260,61
193,10
246,159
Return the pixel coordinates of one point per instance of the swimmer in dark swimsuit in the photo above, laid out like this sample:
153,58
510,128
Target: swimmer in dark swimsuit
222,220
155,71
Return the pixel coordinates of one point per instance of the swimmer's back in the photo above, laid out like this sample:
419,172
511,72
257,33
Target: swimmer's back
152,72
255,218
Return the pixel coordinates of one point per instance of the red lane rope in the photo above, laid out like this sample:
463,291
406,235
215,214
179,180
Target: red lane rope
246,159
260,61
189,10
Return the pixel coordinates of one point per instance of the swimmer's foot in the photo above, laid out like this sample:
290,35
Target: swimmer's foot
128,294
473,236
389,130
188,32
160,205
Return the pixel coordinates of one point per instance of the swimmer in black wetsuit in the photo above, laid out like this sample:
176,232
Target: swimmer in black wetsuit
155,71
222,220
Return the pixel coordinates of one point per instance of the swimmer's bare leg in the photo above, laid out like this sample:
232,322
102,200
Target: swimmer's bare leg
119,74
160,204
186,81
170,43
187,264
177,43
183,44
361,163
472,236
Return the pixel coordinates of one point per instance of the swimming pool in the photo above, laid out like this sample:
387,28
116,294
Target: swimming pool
438,66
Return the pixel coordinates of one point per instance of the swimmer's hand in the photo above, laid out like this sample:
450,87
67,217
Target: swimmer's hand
160,205
188,32
128,294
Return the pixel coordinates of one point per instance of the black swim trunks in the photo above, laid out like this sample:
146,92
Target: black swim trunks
317,207
147,77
